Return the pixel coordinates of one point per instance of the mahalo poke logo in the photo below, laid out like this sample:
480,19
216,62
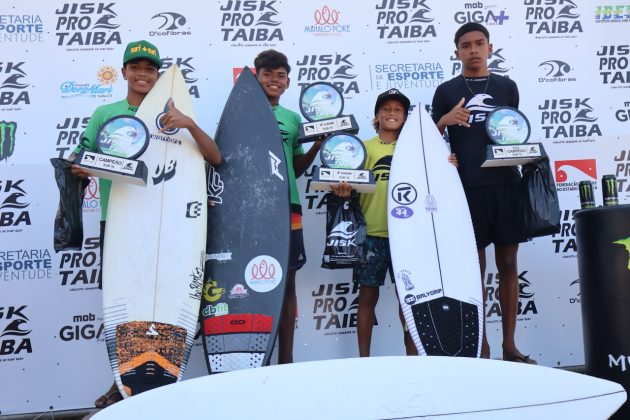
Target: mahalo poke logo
263,273
573,170
326,23
7,139
325,16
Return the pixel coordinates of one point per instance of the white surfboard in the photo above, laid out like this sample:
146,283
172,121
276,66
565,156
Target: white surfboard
432,243
382,388
155,250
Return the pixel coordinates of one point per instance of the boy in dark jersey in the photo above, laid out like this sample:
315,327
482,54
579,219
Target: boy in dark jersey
272,72
461,106
141,62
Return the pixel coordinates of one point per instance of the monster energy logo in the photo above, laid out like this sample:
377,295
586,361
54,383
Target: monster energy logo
587,198
7,139
609,182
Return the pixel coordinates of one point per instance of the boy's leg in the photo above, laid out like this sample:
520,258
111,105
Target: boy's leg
286,329
368,298
410,346
485,347
506,260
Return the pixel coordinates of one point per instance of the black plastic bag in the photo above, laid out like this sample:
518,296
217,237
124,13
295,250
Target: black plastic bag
68,232
345,233
539,213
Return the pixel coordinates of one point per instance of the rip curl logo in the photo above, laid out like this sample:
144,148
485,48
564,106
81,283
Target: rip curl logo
7,139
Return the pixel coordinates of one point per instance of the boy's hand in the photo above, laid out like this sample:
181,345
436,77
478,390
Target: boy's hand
341,189
175,119
457,116
452,159
80,171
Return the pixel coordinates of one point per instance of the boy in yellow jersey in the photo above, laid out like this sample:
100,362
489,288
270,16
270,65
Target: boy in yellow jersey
390,114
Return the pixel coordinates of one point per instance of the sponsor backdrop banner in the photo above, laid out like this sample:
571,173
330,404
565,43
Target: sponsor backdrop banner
62,59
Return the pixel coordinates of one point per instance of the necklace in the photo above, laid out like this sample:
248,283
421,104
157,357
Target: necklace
471,91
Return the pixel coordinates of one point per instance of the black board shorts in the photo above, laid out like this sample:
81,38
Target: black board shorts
494,209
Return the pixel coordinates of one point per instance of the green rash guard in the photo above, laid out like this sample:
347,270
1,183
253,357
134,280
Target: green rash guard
374,205
289,123
88,141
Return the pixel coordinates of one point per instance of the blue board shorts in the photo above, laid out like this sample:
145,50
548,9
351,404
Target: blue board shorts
378,263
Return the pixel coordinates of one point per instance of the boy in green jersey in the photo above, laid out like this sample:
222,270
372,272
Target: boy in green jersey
141,62
272,72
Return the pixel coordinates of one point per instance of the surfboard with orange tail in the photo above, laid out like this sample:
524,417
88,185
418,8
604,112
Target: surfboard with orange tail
154,251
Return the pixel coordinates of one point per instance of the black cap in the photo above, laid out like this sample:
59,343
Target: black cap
392,94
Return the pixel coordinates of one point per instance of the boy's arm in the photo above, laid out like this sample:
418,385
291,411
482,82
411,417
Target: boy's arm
175,119
303,161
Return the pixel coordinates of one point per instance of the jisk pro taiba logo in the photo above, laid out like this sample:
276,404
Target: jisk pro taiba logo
337,69
87,24
250,22
566,118
14,332
614,65
545,18
398,20
13,84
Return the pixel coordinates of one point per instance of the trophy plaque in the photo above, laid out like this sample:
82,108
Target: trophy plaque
322,104
343,156
509,130
120,141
